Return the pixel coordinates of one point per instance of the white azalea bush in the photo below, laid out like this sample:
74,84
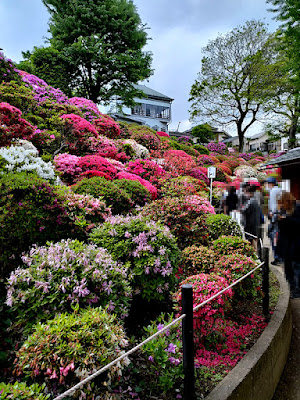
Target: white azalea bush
245,171
23,159
139,150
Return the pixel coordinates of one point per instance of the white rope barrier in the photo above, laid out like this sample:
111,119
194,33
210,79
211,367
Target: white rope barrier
100,371
250,234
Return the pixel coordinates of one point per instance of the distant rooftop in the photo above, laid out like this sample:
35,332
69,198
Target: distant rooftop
291,156
152,93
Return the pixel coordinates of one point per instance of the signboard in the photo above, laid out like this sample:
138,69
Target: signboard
211,172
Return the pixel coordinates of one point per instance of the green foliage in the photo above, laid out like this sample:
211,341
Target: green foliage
182,186
135,190
43,286
201,149
30,212
102,41
18,95
149,249
174,144
189,149
197,259
71,347
112,194
163,358
221,224
228,244
20,391
204,133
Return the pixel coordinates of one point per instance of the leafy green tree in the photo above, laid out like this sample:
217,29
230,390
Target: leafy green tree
204,132
237,72
286,102
102,40
50,65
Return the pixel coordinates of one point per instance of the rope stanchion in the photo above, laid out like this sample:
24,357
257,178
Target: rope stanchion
117,360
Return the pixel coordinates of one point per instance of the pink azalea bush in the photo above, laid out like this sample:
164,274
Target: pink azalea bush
126,175
67,165
102,146
87,107
178,162
97,163
219,148
147,169
107,126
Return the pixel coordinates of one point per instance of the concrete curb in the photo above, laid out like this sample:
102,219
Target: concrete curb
256,376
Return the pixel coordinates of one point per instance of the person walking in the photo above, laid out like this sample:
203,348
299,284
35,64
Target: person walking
251,212
231,201
289,240
274,193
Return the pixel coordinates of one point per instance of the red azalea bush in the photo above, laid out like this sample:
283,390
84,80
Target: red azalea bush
147,169
233,267
80,130
151,188
182,186
107,126
97,163
225,168
12,125
232,162
162,134
178,162
184,216
204,287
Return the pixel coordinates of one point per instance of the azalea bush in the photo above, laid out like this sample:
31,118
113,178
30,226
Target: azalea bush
8,71
245,171
69,348
20,391
115,197
60,275
184,216
102,146
17,95
215,147
197,259
88,108
182,186
178,162
107,126
204,161
145,136
135,149
133,177
12,125
163,359
221,224
204,287
148,247
67,165
19,159
32,205
234,266
228,244
201,149
138,194
198,174
97,163
147,169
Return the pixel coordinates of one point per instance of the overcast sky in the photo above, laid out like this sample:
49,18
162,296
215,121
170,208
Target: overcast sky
178,29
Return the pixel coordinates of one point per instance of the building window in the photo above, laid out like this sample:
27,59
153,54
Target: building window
151,110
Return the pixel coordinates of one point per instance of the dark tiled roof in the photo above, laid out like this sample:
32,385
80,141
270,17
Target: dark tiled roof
291,156
152,93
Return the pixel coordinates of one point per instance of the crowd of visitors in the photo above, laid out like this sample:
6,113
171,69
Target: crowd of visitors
283,212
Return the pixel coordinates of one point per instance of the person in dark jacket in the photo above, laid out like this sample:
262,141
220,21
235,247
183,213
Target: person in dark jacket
251,212
289,240
231,201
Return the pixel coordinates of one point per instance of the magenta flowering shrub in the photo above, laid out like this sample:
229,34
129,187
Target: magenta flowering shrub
162,134
60,275
204,287
8,71
178,162
69,348
219,148
147,169
246,156
42,91
67,165
185,139
198,174
184,216
103,146
80,132
233,267
151,188
97,163
88,108
12,125
204,160
44,140
107,126
147,247
145,136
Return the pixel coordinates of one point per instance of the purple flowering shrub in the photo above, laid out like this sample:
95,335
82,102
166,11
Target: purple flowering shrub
215,147
88,108
65,350
163,358
246,156
148,247
8,71
56,277
184,216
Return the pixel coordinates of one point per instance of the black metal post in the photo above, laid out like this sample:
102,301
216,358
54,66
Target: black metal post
265,281
188,342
